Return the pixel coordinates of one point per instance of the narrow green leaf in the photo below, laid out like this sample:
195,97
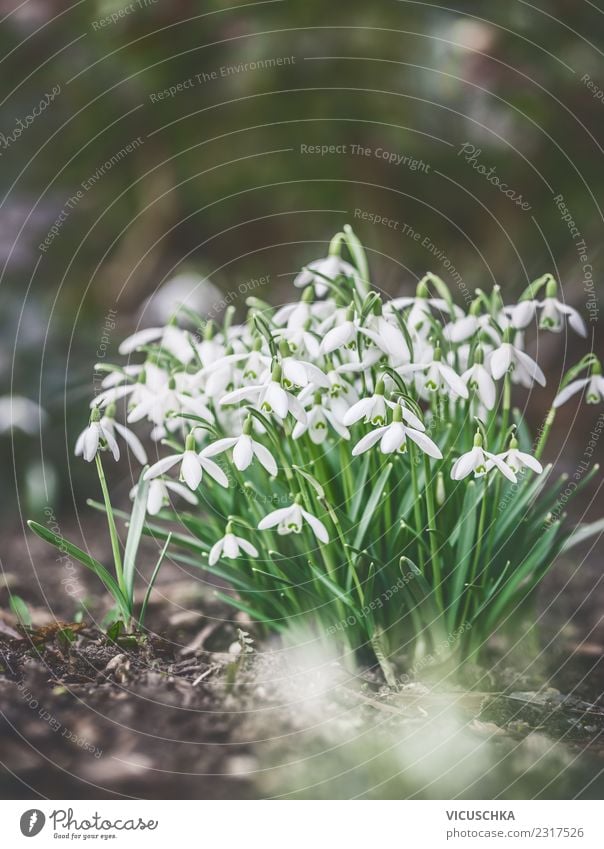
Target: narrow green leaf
372,506
152,580
583,533
463,550
86,560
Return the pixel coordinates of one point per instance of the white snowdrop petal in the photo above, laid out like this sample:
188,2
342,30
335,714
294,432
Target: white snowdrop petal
358,411
155,498
162,466
134,443
500,361
368,441
531,462
91,442
425,443
266,458
215,552
392,438
318,528
274,518
214,471
191,469
230,548
142,337
246,546
242,452
568,391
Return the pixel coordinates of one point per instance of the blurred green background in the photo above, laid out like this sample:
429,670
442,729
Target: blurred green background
175,139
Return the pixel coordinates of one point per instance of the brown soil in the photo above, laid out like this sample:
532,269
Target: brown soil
180,716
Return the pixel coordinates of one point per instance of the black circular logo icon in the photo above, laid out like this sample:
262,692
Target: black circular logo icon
32,822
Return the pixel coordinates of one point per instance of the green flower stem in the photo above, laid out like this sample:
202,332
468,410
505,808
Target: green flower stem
549,421
115,540
434,549
417,510
347,481
478,551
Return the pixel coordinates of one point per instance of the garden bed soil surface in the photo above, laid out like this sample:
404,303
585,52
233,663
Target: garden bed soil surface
182,716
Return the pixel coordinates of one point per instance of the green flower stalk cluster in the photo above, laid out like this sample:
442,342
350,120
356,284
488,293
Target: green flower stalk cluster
349,463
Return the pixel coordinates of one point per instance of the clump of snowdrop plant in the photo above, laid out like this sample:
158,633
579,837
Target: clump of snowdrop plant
350,463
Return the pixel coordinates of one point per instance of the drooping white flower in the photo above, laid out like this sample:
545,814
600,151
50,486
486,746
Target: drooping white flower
520,315
162,396
393,437
508,356
518,460
230,546
245,448
270,397
593,385
20,413
373,410
300,372
342,335
330,267
290,520
318,419
387,337
192,466
554,312
94,436
301,340
436,376
480,381
480,461
159,494
170,338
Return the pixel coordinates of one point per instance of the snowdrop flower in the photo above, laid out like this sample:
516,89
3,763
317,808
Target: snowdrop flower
387,338
594,386
297,314
21,413
290,520
161,397
372,410
341,335
464,328
301,339
171,338
318,419
230,546
554,312
93,437
108,424
192,466
159,494
518,460
508,356
393,437
480,381
480,461
438,377
270,397
299,372
330,267
520,315
244,450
